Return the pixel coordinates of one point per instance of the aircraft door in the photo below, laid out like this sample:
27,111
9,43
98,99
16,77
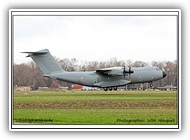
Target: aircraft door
152,77
94,80
140,78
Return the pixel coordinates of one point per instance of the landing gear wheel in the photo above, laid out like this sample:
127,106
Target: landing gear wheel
115,88
105,89
110,88
151,85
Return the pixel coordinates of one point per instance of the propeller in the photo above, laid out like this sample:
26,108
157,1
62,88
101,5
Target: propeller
124,71
129,72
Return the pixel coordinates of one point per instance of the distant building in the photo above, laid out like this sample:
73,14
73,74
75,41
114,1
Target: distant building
53,89
77,87
167,87
85,88
22,88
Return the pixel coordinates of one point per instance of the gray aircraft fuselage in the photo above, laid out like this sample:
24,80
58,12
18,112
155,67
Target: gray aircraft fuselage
107,78
91,78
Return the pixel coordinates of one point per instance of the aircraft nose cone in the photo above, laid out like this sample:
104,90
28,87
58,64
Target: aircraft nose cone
164,74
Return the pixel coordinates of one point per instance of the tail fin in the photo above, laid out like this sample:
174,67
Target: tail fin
45,61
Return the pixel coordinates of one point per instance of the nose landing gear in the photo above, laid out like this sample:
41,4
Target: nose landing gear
151,85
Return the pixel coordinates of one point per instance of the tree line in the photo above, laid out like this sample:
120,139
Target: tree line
28,74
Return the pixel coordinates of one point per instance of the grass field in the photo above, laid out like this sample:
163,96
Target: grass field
95,107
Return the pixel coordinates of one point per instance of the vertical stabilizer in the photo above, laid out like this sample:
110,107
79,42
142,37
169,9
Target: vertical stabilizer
45,61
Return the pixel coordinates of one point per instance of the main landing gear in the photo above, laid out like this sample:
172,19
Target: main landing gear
110,88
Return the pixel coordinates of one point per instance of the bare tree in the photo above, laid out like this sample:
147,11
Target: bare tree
30,75
140,64
170,69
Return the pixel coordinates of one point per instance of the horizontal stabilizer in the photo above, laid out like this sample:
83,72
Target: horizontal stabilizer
42,52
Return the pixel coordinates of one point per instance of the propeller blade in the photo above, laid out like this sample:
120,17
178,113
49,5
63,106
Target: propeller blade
124,71
130,73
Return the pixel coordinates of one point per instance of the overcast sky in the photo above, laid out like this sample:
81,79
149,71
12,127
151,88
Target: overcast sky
145,38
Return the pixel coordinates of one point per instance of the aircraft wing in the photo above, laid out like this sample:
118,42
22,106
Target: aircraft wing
110,71
112,83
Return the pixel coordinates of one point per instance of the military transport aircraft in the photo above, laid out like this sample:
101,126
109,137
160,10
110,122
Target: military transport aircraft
106,78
